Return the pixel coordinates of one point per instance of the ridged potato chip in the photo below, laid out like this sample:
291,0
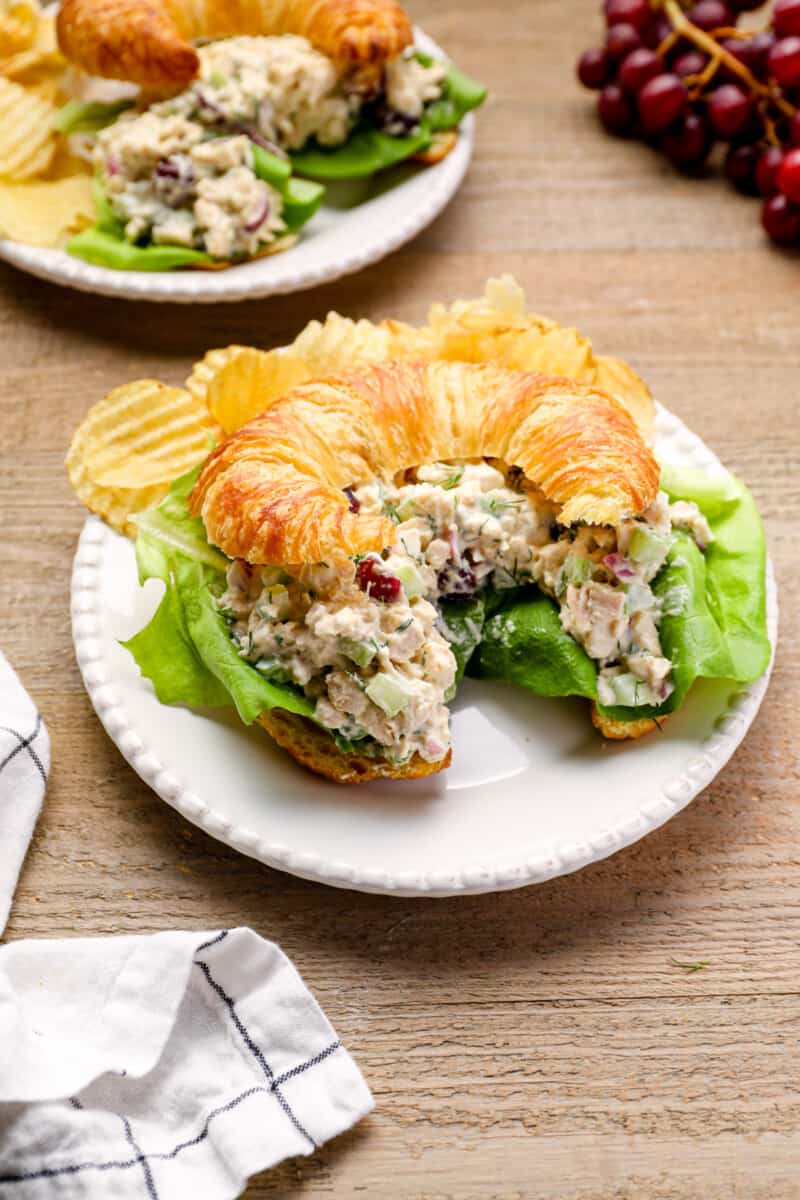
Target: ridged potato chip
18,24
210,365
114,505
42,212
339,342
249,383
132,444
27,140
144,433
621,381
39,56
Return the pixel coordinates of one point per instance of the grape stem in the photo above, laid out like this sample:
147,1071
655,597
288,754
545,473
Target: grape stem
683,27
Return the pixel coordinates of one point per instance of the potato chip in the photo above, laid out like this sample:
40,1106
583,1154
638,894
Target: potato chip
210,365
114,505
621,381
250,382
27,140
340,342
132,444
41,55
144,433
18,24
41,213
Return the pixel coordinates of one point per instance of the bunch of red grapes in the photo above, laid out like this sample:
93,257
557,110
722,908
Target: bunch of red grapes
683,77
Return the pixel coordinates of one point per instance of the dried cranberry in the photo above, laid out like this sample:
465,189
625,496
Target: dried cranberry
353,502
456,581
385,588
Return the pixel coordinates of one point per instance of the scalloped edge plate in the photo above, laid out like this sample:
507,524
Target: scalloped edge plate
335,242
489,823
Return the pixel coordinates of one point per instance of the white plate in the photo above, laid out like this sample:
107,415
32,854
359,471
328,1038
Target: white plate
362,222
533,791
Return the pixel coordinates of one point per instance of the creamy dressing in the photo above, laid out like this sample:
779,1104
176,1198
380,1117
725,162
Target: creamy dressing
181,172
368,644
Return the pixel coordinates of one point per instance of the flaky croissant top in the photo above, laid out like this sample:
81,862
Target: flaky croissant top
149,42
271,493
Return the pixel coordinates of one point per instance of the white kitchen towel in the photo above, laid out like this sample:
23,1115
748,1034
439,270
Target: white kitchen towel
168,1066
24,763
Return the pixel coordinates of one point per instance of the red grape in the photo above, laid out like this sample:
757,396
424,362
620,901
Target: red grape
594,68
621,40
632,12
784,61
786,18
789,175
728,110
615,110
767,171
690,63
661,102
740,168
752,52
710,14
385,588
689,144
794,129
656,32
637,68
781,220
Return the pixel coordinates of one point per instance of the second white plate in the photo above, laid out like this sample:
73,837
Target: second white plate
361,222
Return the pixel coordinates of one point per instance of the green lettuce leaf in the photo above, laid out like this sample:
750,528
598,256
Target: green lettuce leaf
714,622
526,644
461,622
186,649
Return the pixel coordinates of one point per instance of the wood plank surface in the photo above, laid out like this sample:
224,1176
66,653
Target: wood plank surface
538,1043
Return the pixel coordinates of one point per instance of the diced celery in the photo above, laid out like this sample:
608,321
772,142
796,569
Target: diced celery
630,692
577,570
390,693
646,546
412,581
361,653
405,510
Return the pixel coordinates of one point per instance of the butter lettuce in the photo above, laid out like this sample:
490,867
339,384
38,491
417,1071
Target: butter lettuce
714,622
186,649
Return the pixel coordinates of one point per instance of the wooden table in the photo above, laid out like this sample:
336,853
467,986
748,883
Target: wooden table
538,1043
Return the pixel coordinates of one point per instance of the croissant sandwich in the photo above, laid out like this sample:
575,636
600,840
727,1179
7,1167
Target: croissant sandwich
204,168
336,564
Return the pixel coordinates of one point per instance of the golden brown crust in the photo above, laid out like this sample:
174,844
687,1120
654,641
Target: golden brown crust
312,747
149,41
136,40
618,731
272,491
442,142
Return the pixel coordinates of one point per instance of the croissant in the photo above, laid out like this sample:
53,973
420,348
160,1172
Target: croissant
272,492
149,42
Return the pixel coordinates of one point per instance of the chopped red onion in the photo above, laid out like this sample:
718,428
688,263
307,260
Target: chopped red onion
621,566
113,166
353,501
260,218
